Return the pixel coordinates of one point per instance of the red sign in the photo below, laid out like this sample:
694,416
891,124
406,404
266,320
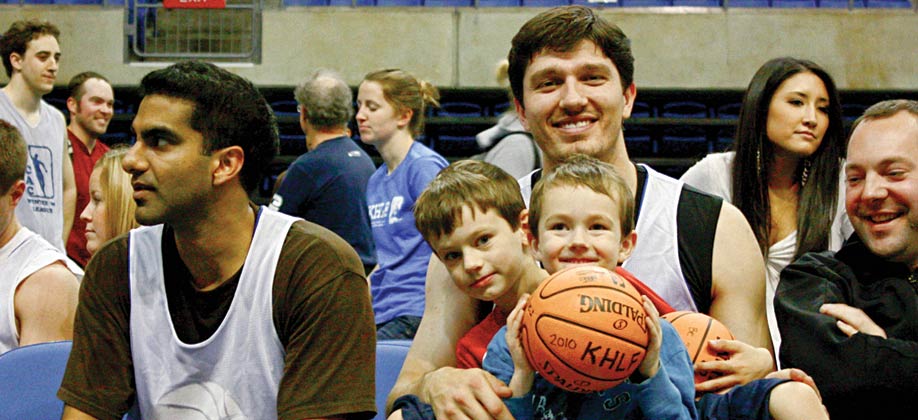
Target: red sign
194,4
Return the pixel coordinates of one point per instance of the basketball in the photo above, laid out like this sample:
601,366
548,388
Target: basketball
696,329
583,329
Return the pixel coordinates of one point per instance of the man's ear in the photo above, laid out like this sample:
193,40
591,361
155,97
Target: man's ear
72,105
520,113
17,190
15,62
630,95
629,241
227,164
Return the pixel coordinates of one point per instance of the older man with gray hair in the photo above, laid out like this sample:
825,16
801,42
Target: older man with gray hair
328,184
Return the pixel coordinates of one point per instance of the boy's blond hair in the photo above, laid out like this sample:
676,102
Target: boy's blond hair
479,185
585,171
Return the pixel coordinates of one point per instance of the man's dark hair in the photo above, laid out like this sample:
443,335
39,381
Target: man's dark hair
16,39
12,156
561,29
75,87
327,98
228,111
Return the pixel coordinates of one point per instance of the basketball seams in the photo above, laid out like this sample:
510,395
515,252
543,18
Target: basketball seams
631,296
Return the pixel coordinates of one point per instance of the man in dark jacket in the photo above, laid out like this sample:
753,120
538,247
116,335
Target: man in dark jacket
850,318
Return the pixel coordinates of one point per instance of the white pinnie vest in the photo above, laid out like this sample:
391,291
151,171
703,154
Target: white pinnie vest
22,256
42,206
236,372
655,259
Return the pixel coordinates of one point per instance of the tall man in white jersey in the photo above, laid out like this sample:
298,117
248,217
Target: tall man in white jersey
572,76
31,54
217,308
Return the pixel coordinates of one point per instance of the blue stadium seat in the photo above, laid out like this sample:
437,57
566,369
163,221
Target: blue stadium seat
390,356
449,3
499,109
749,3
545,3
307,3
888,4
29,379
78,2
684,109
450,145
698,3
728,111
640,142
840,4
852,111
598,4
642,109
498,3
794,4
646,3
724,139
285,108
398,3
460,109
684,142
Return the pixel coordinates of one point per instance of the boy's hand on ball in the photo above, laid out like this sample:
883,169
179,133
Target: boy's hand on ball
651,363
523,373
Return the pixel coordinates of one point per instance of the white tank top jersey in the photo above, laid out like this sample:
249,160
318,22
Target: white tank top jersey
655,259
236,372
22,256
42,206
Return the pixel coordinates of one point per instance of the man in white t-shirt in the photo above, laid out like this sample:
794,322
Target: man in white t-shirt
31,54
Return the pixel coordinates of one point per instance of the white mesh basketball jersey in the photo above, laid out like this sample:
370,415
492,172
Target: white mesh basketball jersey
655,259
236,372
22,256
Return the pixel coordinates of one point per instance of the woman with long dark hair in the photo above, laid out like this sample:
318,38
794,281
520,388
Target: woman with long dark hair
784,170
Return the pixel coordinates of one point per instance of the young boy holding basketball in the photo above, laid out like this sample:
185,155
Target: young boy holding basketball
583,214
567,227
473,216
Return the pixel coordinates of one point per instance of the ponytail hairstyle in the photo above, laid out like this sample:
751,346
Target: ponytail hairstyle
407,93
754,156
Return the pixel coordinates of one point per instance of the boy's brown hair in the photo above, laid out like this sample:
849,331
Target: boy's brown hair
584,171
479,185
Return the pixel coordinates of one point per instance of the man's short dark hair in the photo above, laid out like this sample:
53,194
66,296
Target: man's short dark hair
12,156
16,39
228,111
75,87
561,29
887,109
328,100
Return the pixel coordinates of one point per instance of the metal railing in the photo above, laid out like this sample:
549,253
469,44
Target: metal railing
155,33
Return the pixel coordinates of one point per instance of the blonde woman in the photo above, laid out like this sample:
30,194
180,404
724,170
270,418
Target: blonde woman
110,211
390,114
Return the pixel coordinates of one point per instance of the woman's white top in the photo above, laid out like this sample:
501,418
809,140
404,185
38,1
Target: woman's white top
713,175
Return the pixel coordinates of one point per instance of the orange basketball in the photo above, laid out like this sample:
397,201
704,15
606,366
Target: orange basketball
584,330
696,329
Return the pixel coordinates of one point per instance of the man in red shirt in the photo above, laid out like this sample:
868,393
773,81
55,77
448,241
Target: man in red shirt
90,105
